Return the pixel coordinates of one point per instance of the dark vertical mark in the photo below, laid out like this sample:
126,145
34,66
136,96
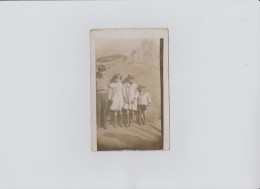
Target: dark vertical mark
161,81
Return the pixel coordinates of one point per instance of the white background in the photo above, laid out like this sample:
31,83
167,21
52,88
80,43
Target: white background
214,86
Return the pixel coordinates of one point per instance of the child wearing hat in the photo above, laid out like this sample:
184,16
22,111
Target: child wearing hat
130,102
101,96
143,101
115,99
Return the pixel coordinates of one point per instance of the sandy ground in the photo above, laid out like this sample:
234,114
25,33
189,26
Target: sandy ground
147,137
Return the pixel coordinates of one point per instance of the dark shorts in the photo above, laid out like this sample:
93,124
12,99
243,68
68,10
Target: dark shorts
142,108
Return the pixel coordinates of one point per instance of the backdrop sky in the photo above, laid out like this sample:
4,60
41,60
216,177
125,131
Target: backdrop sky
106,47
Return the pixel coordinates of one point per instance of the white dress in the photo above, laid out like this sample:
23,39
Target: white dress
116,91
131,92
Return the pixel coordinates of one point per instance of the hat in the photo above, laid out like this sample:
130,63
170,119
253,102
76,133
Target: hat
101,68
131,76
141,86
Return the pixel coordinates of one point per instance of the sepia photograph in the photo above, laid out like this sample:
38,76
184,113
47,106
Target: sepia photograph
129,89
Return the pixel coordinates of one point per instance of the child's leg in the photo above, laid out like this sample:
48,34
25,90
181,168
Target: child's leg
120,118
144,116
104,98
115,118
131,118
111,116
126,117
139,116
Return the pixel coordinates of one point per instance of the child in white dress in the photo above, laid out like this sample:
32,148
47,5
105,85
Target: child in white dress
130,102
115,99
143,101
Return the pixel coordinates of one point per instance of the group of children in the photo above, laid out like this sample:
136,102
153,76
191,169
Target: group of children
125,100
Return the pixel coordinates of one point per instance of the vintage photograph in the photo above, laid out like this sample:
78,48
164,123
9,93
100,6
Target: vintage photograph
129,89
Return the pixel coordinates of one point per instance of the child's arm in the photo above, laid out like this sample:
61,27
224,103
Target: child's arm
136,96
136,93
123,93
149,99
110,93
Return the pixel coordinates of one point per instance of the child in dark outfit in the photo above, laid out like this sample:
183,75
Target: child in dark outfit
101,96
